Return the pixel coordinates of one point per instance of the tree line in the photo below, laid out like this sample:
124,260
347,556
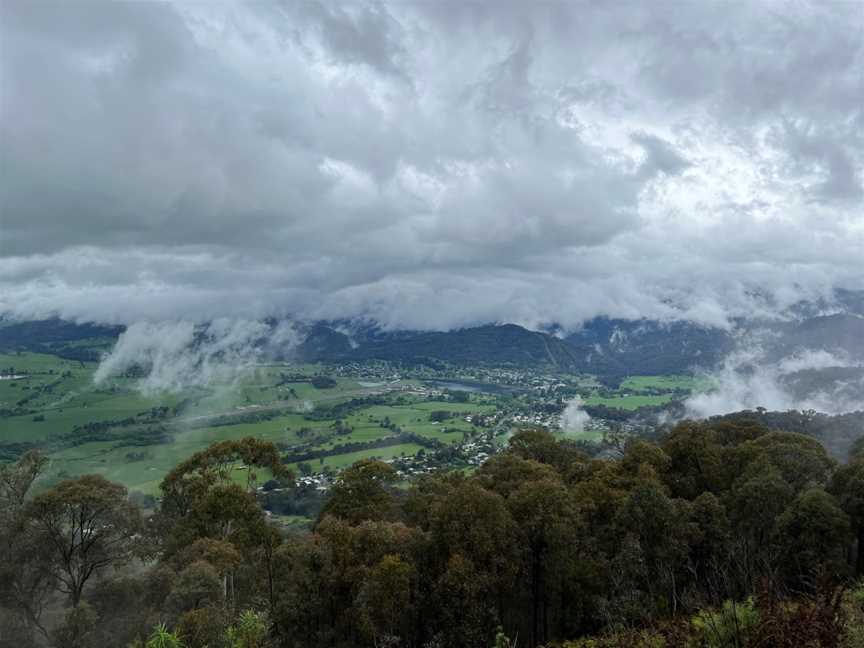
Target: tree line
721,533
398,438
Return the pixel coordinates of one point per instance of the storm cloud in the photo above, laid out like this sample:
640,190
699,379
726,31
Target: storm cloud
429,165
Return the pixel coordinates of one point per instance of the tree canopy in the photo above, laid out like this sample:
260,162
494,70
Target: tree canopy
721,533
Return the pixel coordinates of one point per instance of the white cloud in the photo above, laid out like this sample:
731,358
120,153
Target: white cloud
574,418
428,165
174,356
749,379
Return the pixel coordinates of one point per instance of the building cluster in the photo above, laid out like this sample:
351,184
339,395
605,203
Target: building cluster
318,481
472,452
535,419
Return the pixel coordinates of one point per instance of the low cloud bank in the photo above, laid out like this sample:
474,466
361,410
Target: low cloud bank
177,355
807,379
309,160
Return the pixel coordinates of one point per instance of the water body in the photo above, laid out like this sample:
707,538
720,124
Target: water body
473,386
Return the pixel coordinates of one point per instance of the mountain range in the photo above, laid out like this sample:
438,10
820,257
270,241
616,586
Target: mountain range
602,346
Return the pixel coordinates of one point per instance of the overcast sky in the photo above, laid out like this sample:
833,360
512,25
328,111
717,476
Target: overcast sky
429,165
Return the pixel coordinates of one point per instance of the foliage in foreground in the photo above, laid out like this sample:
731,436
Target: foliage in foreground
723,534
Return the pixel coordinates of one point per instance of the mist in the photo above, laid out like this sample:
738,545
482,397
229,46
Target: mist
574,418
177,355
803,380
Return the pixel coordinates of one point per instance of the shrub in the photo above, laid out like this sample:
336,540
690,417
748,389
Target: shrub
728,627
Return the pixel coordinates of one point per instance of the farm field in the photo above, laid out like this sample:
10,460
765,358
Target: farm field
64,405
414,418
341,461
142,467
670,382
134,436
641,391
629,401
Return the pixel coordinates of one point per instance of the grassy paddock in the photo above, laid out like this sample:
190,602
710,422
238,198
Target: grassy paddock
629,402
343,460
62,395
670,382
144,475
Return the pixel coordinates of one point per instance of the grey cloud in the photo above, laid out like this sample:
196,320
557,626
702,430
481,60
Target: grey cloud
660,155
352,33
177,355
428,165
812,148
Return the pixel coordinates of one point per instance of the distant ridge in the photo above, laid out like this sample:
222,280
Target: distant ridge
602,346
506,344
59,337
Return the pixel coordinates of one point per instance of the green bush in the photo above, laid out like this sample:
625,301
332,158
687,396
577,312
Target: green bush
161,638
728,627
250,631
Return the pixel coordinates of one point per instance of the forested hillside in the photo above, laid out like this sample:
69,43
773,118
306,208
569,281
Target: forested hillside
722,534
494,345
601,346
646,346
840,434
59,337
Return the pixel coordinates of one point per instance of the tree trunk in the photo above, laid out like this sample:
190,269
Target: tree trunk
535,602
859,558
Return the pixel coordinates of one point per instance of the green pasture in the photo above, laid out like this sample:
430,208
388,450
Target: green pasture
671,382
73,399
65,397
26,361
414,418
110,459
341,461
63,413
629,402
